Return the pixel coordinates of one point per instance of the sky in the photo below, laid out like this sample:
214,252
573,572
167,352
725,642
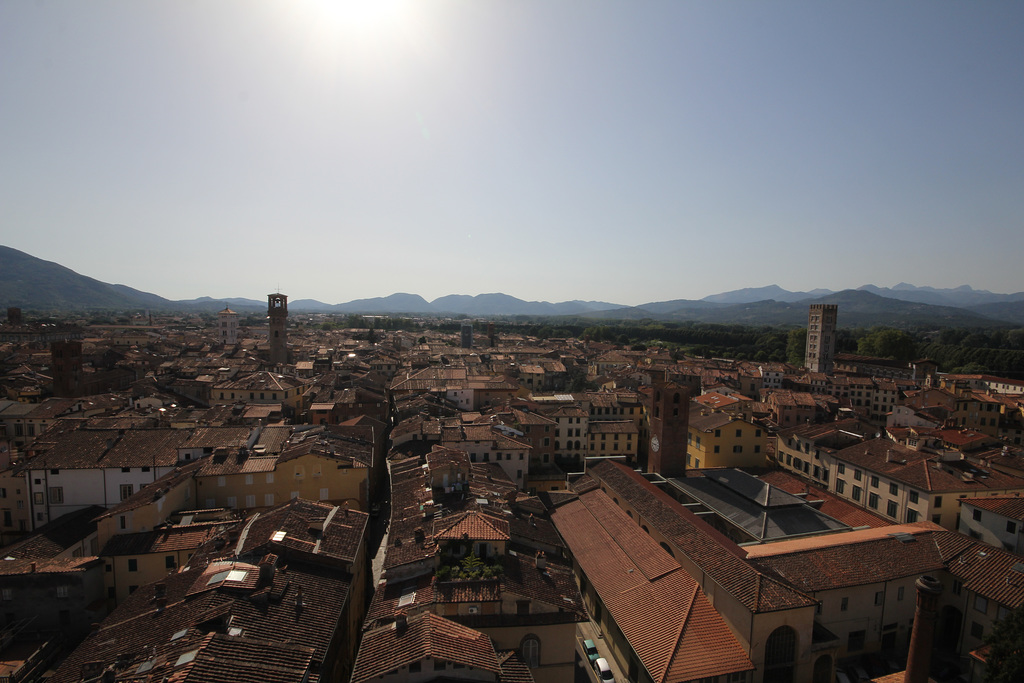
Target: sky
620,151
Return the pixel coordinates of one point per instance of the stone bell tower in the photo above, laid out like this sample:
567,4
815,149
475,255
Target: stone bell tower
277,312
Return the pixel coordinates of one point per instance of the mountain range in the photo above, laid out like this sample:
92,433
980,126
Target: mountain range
35,284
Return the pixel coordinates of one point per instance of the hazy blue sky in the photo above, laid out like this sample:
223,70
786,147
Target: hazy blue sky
620,151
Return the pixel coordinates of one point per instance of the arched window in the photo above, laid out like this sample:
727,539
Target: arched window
667,549
675,397
780,655
556,445
644,527
529,650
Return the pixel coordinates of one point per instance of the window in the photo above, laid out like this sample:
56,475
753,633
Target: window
737,449
855,641
268,499
873,501
981,604
911,516
124,522
221,481
874,482
1011,527
938,501
530,651
8,594
856,493
913,496
899,593
56,495
133,565
248,479
844,604
894,489
957,586
250,501
856,475
270,477
840,485
415,667
841,468
892,509
976,515
126,491
170,562
879,597
62,591
977,630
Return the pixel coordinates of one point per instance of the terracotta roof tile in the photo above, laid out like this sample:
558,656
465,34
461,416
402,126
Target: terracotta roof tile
426,636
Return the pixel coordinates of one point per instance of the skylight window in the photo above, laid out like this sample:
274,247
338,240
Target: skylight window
186,658
179,634
278,536
237,575
218,577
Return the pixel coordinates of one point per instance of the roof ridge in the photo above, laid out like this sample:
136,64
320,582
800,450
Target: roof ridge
687,613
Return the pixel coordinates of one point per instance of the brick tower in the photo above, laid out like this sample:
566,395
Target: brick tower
669,421
277,312
66,360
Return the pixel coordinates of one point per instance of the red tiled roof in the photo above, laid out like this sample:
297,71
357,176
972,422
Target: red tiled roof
1008,506
471,525
660,609
714,554
427,636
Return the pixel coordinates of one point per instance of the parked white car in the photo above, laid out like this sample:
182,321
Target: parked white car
604,672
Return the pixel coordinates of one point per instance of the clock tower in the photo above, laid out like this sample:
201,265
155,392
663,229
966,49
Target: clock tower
669,420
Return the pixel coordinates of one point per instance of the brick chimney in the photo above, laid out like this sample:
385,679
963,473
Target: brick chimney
923,635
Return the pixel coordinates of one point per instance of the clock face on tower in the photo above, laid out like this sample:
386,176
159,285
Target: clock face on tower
655,444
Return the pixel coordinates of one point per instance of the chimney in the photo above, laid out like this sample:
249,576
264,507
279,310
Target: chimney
401,622
160,590
541,560
923,635
298,598
161,604
267,571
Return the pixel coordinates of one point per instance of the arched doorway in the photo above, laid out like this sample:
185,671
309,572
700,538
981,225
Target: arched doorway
947,632
780,655
823,669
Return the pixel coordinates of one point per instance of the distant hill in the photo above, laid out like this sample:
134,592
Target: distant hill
29,282
396,303
857,308
503,304
769,293
33,283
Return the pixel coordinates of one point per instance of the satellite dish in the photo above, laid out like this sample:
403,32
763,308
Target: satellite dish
878,434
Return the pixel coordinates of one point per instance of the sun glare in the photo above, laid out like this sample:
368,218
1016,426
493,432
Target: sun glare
336,32
358,17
